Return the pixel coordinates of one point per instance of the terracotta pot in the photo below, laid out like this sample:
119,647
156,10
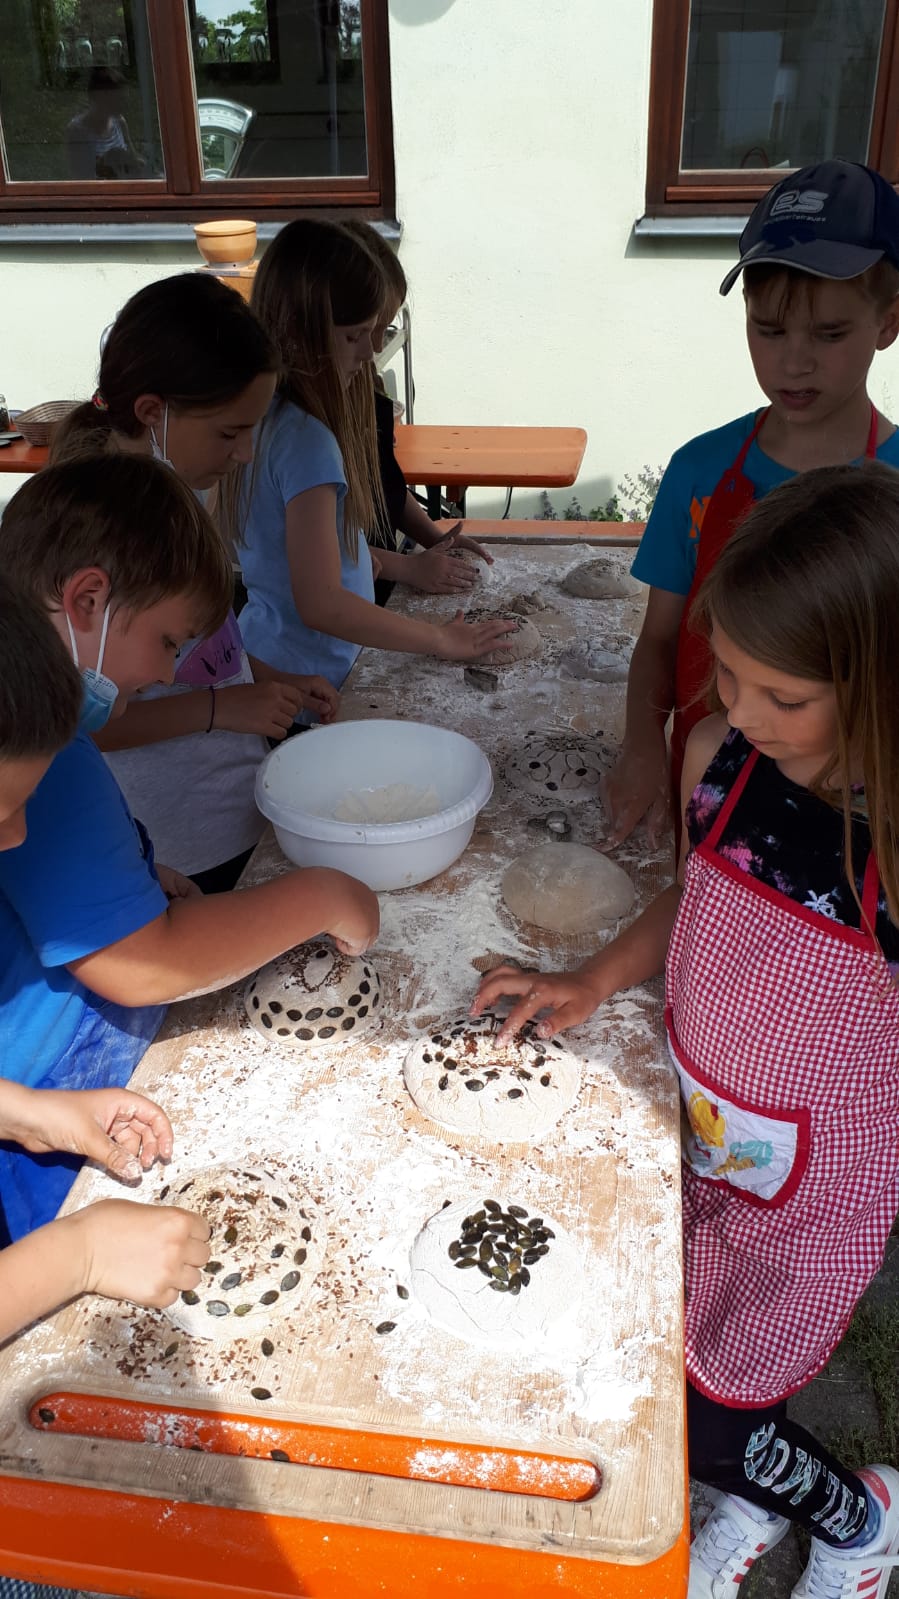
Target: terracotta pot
225,242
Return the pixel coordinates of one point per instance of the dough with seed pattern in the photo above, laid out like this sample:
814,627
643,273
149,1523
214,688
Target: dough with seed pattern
460,1078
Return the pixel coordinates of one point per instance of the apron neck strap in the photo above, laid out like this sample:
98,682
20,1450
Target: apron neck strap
871,446
731,799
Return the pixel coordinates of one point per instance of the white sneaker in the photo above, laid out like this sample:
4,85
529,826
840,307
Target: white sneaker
727,1545
858,1573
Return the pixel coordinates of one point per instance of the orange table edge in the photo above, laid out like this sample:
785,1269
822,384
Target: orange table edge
150,1548
23,457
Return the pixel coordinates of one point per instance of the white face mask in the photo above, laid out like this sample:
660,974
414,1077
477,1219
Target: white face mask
159,451
100,692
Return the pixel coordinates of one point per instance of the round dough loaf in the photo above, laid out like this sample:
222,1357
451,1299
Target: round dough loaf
559,766
469,560
523,644
495,1273
313,996
600,580
266,1250
599,663
516,1092
567,888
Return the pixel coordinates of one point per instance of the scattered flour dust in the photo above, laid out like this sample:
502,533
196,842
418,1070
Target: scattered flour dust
395,802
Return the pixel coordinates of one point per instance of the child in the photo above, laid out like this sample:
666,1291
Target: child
186,374
782,1014
128,565
125,1251
314,484
820,264
434,571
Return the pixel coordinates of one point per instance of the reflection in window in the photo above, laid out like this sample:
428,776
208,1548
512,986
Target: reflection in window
279,88
77,96
779,84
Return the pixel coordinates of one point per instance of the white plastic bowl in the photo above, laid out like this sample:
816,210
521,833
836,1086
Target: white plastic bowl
301,784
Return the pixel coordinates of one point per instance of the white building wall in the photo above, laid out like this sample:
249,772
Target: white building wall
520,136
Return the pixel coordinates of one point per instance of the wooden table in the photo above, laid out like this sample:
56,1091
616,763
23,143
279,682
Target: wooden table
459,458
121,1487
20,456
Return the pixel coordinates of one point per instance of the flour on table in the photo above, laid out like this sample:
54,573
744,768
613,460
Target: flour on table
600,580
395,802
267,1247
493,1273
461,1078
313,995
567,888
559,766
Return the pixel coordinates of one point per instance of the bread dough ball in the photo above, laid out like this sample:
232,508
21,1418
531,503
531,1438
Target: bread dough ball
313,996
516,1092
525,642
608,662
560,766
567,888
495,1272
267,1246
469,561
600,580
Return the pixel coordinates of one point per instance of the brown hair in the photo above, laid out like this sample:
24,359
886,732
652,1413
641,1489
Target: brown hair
879,284
189,338
395,284
131,517
40,688
313,278
809,585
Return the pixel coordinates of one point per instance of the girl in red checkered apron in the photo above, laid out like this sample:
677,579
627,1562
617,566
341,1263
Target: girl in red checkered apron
782,1010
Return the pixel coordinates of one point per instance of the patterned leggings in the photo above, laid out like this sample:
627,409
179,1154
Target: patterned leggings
761,1456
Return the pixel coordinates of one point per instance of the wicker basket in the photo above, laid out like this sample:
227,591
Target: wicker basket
37,424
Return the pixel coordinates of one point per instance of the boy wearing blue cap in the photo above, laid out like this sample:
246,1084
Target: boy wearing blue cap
820,263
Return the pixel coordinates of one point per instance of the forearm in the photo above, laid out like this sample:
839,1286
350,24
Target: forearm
154,721
199,945
636,954
393,564
37,1275
417,525
347,616
650,689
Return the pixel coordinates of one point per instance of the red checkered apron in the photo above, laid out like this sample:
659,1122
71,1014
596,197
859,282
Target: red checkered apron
784,1029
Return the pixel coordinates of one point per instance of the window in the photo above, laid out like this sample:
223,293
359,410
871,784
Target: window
744,90
164,109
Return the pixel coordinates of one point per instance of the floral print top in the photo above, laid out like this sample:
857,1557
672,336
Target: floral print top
782,835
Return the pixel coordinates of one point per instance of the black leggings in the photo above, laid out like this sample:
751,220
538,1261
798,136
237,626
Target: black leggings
761,1456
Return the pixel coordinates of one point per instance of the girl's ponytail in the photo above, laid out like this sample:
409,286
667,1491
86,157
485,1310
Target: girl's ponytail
85,431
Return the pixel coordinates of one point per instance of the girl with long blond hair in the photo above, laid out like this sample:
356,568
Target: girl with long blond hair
782,1010
315,482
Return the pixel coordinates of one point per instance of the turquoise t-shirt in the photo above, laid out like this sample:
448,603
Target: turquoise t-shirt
666,558
295,452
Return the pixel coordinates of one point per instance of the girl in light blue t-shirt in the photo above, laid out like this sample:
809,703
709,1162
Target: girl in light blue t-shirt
315,480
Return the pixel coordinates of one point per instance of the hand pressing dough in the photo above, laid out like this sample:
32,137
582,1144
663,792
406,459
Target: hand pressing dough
524,643
313,996
516,1093
266,1250
567,888
559,766
600,580
495,1273
469,561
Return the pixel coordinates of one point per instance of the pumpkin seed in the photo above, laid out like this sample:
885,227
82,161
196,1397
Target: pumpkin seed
280,1454
483,1268
261,1393
281,1203
299,1257
401,1292
242,1310
164,1191
278,1251
499,1287
212,1267
169,1350
268,1347
306,1234
231,1235
385,1326
217,1307
455,1250
545,1082
290,1281
269,1297
515,1093
530,1256
463,1265
232,1280
475,1084
486,1249
525,1276
189,1297
443,1083
516,1210
494,1207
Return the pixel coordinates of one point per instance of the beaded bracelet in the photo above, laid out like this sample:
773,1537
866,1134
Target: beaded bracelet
211,711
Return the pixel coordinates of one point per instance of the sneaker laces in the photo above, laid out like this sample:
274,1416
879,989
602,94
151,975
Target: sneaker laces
721,1539
834,1573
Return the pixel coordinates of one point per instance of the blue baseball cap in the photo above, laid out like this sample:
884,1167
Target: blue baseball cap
834,220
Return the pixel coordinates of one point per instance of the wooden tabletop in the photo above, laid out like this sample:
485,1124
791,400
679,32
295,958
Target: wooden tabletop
120,1488
20,456
483,457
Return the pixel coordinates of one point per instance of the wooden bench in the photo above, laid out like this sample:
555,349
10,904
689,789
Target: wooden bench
627,534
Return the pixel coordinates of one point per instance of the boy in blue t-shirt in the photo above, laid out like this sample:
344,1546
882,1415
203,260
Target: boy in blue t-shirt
95,940
144,1253
820,263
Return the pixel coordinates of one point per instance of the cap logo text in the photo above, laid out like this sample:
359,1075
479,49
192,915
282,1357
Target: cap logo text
804,202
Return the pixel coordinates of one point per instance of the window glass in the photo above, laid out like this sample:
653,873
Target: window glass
279,88
785,84
77,95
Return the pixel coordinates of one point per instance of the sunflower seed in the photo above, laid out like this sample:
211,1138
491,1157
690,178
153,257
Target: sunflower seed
281,1203
164,1191
169,1350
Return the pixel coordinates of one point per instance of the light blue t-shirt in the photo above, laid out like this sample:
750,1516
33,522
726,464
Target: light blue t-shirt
80,881
666,558
295,452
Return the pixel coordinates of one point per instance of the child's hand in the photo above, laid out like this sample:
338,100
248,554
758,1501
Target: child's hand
377,565
434,571
638,787
116,1128
357,916
145,1253
319,696
269,708
175,885
568,997
459,640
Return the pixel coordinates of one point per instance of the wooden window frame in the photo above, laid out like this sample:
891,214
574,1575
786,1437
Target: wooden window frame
670,191
183,195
